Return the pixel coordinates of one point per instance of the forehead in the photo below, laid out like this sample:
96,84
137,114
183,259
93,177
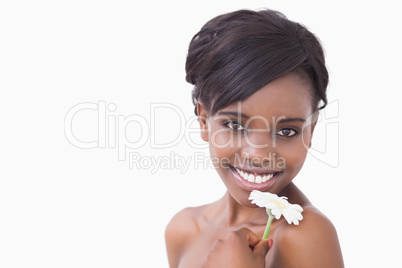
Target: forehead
288,95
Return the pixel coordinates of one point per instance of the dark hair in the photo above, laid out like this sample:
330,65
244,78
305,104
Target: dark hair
237,53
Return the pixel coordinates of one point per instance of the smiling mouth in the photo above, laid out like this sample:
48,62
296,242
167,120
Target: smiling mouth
256,178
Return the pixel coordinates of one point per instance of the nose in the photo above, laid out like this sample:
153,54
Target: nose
259,159
258,149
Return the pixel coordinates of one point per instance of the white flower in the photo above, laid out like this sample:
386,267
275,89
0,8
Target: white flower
277,206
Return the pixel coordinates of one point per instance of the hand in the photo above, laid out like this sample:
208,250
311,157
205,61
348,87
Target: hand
240,249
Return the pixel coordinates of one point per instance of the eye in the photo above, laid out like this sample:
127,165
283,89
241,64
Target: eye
287,132
234,126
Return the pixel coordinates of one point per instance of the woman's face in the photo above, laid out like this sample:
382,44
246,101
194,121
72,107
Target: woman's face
261,143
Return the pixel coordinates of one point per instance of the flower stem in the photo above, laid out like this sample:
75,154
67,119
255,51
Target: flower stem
270,218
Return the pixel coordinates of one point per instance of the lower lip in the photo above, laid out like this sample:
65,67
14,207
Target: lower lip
249,186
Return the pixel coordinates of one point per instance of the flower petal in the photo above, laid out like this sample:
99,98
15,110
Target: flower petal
296,207
278,206
288,216
277,213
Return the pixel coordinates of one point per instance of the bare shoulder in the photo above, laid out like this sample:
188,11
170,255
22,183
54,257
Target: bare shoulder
312,243
180,231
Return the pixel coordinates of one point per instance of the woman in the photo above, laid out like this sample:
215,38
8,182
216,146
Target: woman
259,81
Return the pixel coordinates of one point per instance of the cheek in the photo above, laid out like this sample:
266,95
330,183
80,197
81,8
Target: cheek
222,145
295,159
294,153
221,138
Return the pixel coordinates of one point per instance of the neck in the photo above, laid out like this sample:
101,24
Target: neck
238,215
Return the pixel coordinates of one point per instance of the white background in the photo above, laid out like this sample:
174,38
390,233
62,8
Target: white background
64,206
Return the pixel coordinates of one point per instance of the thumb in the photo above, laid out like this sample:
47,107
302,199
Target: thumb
262,247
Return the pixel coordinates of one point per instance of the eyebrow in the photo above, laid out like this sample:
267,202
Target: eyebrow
284,120
291,119
234,114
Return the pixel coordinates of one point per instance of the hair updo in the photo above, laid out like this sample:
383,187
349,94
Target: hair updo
237,53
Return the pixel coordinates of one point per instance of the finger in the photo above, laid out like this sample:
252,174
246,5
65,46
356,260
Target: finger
253,239
249,235
262,248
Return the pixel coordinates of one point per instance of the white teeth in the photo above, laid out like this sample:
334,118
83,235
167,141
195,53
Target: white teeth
252,178
267,177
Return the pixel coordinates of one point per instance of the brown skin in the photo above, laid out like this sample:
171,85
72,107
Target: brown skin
227,232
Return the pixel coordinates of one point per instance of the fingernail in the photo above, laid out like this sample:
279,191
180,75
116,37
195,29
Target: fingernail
270,242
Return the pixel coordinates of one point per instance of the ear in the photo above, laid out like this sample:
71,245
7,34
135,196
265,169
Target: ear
203,120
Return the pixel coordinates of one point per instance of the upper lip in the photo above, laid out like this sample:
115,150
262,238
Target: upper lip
257,170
